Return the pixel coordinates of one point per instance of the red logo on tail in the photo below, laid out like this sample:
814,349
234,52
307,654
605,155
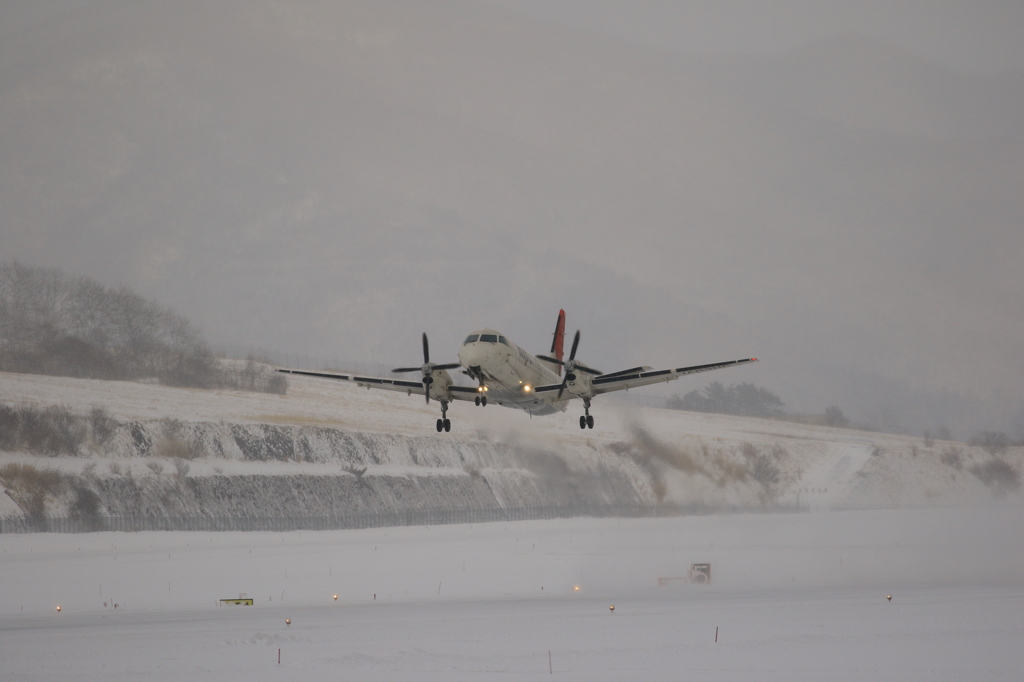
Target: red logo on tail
558,342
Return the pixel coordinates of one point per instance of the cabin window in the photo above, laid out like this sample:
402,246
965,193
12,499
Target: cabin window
489,338
471,338
501,339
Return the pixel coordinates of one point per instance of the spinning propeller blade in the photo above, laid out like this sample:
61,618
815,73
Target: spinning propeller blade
427,368
570,365
575,344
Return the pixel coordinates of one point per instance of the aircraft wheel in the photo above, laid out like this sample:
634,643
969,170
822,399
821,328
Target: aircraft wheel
447,425
483,400
583,422
440,425
477,401
590,421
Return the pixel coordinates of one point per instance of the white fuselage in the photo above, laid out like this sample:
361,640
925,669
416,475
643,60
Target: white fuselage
508,373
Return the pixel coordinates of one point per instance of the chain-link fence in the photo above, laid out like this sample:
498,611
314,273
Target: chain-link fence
418,517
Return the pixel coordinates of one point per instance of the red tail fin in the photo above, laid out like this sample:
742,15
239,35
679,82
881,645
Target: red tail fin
558,342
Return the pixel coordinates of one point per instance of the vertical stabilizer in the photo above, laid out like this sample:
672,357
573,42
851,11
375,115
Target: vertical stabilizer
558,342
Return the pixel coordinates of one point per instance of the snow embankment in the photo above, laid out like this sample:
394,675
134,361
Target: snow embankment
330,448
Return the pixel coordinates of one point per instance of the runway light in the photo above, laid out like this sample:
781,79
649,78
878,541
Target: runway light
58,609
335,597
612,607
288,621
888,596
576,588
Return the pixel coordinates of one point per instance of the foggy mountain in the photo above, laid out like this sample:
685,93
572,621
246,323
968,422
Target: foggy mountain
334,178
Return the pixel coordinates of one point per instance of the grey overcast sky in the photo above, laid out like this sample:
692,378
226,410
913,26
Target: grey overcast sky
835,188
981,37
977,36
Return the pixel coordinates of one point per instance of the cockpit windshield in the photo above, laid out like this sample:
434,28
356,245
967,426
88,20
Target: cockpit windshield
489,338
471,338
501,339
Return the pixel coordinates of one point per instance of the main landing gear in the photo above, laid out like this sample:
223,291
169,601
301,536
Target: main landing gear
444,423
586,419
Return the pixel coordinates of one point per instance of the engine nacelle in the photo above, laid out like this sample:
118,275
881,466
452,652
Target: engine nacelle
440,386
579,383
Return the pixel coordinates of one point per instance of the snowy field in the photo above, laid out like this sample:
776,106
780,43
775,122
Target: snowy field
793,597
822,467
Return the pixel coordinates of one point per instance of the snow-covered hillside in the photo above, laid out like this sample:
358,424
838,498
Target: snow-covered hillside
329,447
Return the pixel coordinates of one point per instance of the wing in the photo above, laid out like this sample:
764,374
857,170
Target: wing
619,381
463,392
640,376
402,385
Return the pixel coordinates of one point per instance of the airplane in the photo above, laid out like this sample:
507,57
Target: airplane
509,376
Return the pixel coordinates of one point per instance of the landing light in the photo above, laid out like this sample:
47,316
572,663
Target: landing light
526,388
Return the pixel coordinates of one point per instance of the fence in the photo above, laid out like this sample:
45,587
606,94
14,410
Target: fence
381,519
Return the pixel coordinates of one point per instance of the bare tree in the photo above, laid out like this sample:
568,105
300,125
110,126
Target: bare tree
993,442
835,417
742,399
57,324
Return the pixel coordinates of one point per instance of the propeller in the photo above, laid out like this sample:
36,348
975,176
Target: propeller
571,365
427,368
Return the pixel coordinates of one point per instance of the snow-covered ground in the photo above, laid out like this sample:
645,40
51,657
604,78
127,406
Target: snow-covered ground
645,453
798,596
793,597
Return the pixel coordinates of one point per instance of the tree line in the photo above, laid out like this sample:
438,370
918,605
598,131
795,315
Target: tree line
748,400
68,325
743,399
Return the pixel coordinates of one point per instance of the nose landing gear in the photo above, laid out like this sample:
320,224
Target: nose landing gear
586,419
481,400
444,423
